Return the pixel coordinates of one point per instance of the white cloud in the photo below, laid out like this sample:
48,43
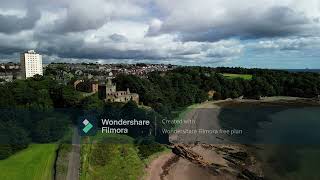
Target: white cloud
217,19
188,31
155,26
288,43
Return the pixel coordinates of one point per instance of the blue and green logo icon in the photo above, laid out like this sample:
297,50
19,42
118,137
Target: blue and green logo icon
87,126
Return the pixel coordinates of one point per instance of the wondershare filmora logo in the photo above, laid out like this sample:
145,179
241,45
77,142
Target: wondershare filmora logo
87,126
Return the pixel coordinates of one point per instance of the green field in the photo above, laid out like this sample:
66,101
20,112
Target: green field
110,160
34,163
243,76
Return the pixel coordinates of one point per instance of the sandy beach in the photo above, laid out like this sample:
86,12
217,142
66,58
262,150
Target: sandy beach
163,169
155,169
212,151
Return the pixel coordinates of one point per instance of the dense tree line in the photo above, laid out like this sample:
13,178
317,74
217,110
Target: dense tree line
84,86
30,113
164,94
39,110
187,85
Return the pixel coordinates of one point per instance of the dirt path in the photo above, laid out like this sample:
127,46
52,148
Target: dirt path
156,168
74,161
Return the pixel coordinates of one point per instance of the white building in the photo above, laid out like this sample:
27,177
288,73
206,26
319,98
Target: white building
31,64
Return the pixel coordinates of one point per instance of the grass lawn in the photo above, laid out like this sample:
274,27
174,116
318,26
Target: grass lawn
109,160
34,163
243,76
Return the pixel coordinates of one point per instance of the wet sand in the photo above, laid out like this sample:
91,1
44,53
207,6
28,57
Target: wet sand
186,170
205,116
155,169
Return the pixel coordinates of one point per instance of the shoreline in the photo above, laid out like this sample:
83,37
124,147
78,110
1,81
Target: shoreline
210,157
216,152
276,100
156,168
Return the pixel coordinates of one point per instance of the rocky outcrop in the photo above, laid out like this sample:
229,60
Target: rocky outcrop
195,158
236,161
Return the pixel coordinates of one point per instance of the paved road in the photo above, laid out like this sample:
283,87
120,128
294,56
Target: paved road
74,158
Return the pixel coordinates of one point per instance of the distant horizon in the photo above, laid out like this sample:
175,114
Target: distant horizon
245,63
134,63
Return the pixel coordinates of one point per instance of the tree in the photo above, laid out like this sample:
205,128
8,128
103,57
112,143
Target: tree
12,139
50,129
38,77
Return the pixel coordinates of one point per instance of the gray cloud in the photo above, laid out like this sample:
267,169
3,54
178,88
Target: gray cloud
93,14
276,22
118,38
213,20
11,24
79,19
207,31
55,44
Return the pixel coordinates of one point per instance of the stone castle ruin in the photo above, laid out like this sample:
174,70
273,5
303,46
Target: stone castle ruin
109,93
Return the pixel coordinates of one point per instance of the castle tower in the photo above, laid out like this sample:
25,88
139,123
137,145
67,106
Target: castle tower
109,82
110,88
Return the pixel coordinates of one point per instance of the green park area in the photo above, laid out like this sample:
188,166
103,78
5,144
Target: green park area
33,163
110,160
115,156
233,76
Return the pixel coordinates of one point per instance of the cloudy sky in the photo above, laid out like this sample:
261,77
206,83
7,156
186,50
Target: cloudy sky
248,33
